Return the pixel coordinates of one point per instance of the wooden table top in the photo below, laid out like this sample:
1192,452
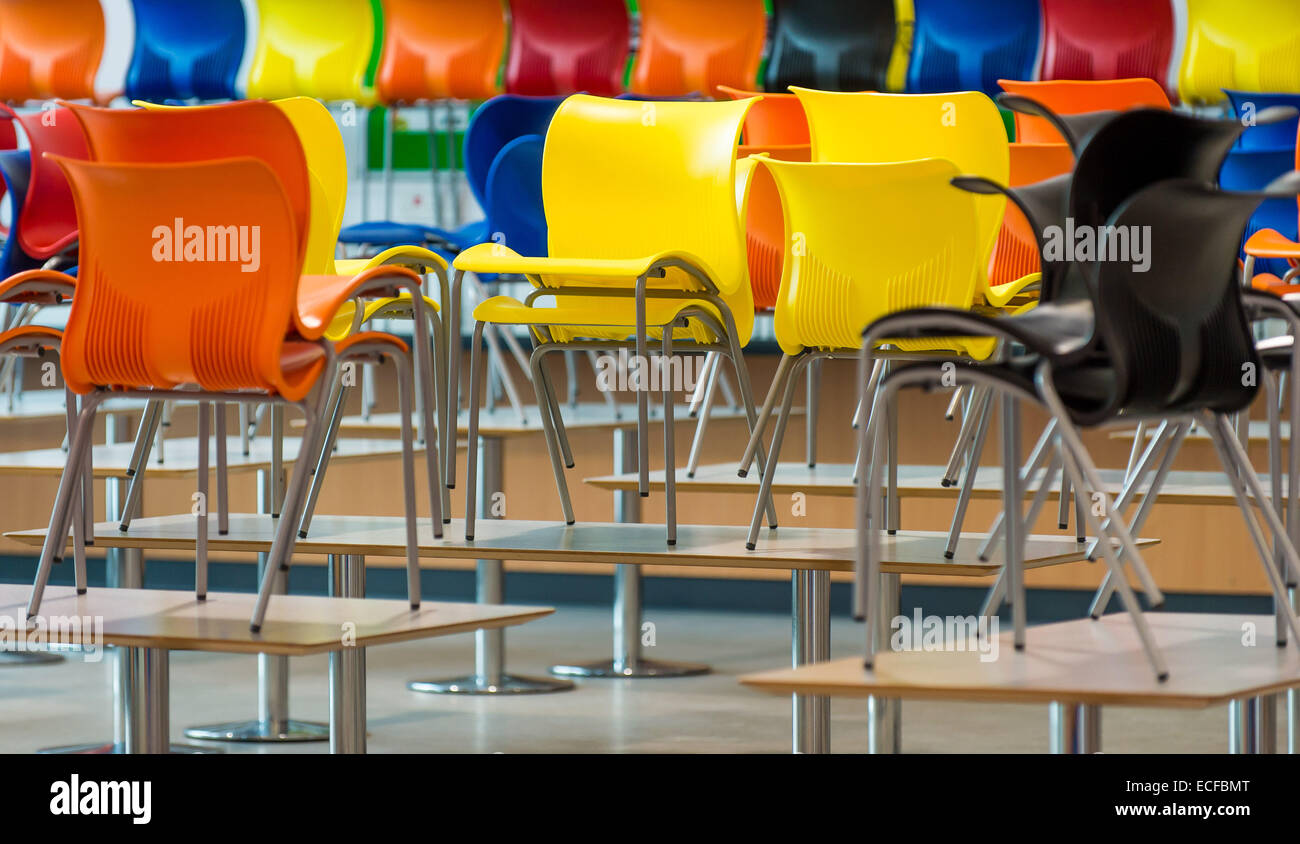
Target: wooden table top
503,421
296,625
835,480
1079,661
818,549
112,461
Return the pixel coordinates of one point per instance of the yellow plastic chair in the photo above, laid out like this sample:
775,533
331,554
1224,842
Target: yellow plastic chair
644,241
864,240
1246,46
318,49
965,128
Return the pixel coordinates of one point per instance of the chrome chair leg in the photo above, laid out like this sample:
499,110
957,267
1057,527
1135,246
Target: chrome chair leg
774,455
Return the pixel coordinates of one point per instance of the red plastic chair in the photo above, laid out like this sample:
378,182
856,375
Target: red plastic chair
689,46
50,49
48,224
1104,39
565,48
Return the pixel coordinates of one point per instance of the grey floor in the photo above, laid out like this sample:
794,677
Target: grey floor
72,702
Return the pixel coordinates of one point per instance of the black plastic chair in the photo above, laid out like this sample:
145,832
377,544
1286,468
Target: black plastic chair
831,45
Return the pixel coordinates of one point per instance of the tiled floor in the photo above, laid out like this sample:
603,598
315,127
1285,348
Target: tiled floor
73,702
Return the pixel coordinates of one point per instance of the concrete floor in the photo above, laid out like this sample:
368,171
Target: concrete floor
72,702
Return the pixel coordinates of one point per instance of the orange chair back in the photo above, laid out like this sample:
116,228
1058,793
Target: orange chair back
50,49
251,128
441,49
776,120
1016,254
688,46
159,302
1069,96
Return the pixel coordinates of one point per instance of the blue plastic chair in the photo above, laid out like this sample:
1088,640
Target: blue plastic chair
495,124
516,216
186,51
16,171
1273,136
1253,169
961,45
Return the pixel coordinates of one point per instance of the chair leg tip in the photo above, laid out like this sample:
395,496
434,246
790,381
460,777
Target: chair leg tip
570,522
749,546
672,542
82,591
947,555
1020,646
255,628
451,486
223,533
742,473
945,483
302,534
984,558
415,605
866,664
892,532
202,597
1162,677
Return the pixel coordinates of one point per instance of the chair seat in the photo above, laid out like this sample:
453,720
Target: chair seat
370,337
389,306
596,317
382,233
1270,243
573,272
31,336
1273,284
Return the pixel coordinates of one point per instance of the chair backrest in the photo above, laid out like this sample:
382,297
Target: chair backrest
246,129
1253,170
1017,252
775,120
1102,39
318,49
834,45
1270,136
16,171
1064,96
567,48
186,51
958,45
165,293
1134,150
50,49
1249,46
440,49
964,128
688,46
48,224
1174,326
627,179
496,123
516,216
847,263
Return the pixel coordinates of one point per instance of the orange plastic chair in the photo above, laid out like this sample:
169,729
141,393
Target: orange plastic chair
1016,253
440,50
162,303
692,47
1071,96
50,49
775,120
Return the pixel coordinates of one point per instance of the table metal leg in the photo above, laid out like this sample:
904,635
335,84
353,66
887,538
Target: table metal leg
885,715
348,666
1243,725
273,723
811,642
145,700
627,660
490,677
1075,727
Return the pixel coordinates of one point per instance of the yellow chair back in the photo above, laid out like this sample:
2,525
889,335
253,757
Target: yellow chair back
316,49
963,127
849,262
1246,45
623,179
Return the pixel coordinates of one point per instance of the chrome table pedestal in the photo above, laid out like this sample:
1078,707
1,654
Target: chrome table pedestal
490,677
1075,728
347,576
273,723
628,661
811,642
1252,724
885,715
